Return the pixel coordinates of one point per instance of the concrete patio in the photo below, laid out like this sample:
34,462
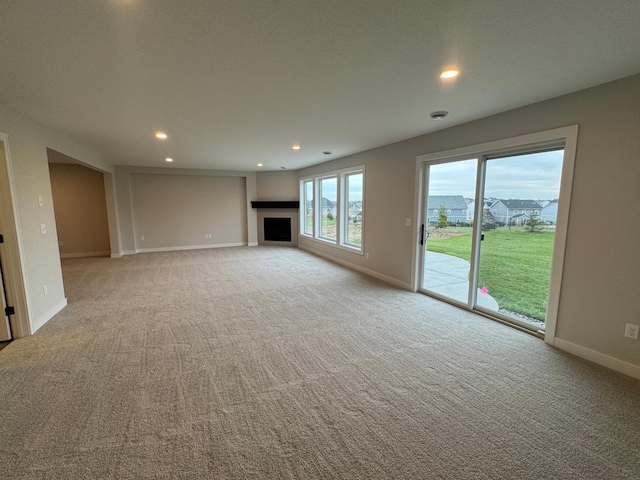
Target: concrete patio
448,276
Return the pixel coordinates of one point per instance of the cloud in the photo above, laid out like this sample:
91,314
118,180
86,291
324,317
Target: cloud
533,176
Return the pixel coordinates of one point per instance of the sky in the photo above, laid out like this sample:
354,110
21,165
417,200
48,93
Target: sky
535,176
355,189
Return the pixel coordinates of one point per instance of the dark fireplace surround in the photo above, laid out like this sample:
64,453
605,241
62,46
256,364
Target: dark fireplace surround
277,222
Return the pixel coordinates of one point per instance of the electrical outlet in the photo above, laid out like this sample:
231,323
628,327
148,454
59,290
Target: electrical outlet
45,290
407,222
366,255
43,228
141,237
631,331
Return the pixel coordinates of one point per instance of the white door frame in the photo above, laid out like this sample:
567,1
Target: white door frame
569,136
13,261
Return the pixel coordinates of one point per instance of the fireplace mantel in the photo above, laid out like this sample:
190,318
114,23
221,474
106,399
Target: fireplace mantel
293,204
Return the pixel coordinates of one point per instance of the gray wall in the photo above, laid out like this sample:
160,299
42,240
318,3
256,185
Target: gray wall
602,261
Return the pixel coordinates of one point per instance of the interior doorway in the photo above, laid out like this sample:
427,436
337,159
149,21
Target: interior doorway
15,322
494,227
80,207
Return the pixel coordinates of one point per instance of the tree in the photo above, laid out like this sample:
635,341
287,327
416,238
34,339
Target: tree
443,220
329,214
534,224
488,220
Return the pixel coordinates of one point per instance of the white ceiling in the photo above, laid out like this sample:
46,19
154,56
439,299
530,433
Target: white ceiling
237,82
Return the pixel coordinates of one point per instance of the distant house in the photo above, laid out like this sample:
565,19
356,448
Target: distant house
514,212
327,206
455,205
550,212
471,205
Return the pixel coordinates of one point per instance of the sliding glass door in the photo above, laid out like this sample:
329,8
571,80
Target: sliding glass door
447,229
488,233
515,257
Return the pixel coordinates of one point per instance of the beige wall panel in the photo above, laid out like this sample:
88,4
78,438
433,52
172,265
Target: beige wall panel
278,186
80,210
178,210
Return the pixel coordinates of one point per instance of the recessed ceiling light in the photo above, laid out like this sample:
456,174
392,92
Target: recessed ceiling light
449,73
161,135
439,115
295,146
168,159
259,164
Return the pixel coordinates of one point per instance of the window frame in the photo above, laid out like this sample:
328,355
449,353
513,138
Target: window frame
345,218
318,212
342,208
304,201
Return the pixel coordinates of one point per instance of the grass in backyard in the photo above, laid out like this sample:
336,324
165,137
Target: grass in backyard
514,265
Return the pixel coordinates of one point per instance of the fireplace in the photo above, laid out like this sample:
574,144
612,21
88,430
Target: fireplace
277,229
277,223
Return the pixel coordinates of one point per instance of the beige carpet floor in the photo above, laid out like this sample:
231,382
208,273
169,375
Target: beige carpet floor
271,363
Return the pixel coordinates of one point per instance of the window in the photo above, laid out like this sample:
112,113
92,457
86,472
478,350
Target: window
328,201
307,207
334,208
353,200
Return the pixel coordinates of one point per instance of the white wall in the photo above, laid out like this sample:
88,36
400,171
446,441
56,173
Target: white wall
602,261
28,144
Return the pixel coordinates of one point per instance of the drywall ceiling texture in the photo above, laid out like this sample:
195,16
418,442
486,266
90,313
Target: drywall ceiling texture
598,293
236,83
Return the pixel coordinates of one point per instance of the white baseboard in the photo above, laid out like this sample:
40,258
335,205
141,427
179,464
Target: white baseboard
189,247
366,271
599,358
39,322
253,244
84,254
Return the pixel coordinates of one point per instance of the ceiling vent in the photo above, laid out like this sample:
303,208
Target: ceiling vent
439,115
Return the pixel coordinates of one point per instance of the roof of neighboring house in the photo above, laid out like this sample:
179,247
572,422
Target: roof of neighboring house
449,201
520,204
327,203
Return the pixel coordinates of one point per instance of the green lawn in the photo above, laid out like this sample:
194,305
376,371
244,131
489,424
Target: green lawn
514,265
